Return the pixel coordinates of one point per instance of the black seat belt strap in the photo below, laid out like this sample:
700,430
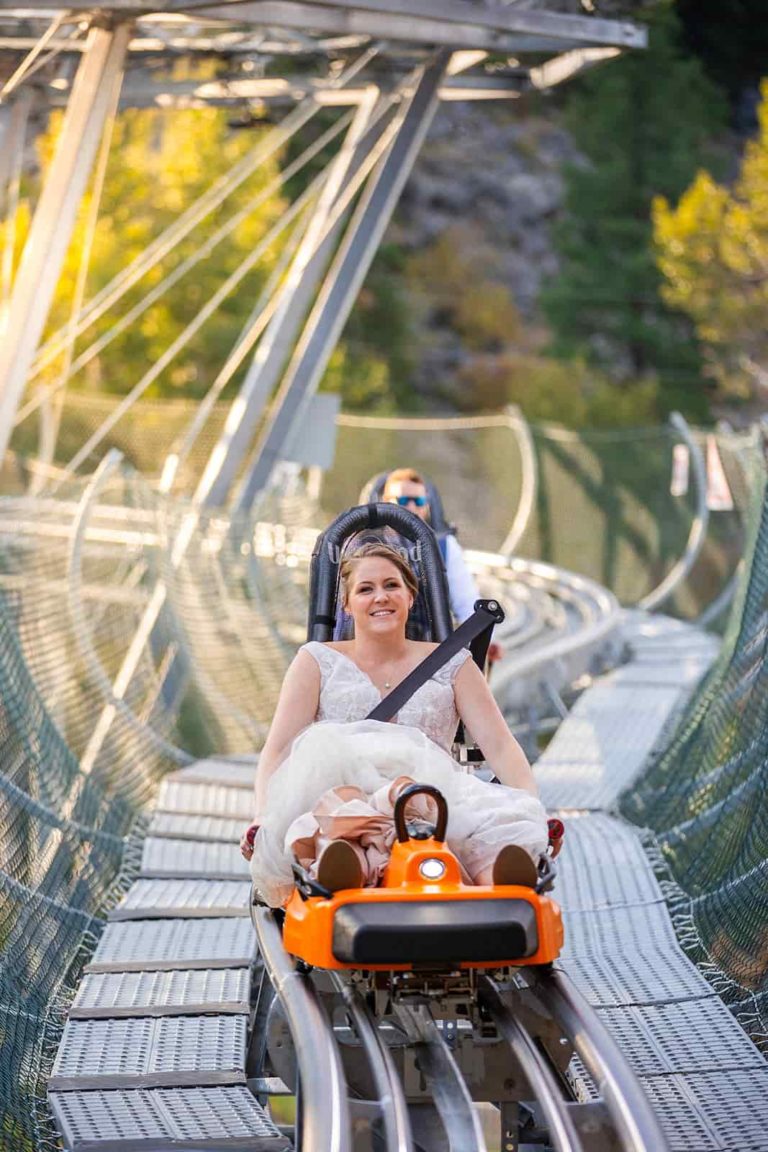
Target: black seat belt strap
486,614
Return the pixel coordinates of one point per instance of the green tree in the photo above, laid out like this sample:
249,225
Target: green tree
731,40
454,282
160,162
565,392
642,123
372,366
713,251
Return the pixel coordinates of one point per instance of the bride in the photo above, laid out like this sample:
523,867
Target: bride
327,778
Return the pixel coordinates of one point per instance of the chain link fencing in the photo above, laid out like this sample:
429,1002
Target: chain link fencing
119,662
603,500
705,798
124,655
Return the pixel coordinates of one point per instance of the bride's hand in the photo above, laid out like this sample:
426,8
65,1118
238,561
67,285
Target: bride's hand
247,839
556,834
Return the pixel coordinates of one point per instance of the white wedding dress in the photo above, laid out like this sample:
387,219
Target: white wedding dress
338,780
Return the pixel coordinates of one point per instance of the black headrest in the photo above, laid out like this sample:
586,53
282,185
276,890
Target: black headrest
360,521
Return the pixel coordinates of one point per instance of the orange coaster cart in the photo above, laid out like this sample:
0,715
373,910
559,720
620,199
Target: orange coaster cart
423,915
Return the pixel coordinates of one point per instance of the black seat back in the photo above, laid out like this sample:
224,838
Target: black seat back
371,519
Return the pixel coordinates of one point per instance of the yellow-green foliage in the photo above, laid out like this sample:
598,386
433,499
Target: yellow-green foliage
454,283
485,315
160,161
712,248
566,392
363,380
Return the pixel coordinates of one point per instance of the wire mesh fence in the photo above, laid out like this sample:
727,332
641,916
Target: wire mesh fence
105,687
124,654
609,504
706,798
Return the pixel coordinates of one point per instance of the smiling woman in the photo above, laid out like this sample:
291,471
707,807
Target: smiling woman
328,778
378,591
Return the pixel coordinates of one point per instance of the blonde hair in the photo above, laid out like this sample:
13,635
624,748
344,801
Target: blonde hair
404,475
384,552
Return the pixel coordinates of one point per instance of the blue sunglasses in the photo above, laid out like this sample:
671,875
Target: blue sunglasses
404,501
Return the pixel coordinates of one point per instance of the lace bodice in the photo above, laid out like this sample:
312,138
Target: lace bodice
347,694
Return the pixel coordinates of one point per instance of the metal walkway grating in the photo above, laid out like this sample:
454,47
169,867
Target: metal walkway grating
183,992
205,800
651,978
712,1112
692,1037
623,877
157,945
181,827
601,747
661,673
174,1051
192,859
200,1119
164,899
632,931
238,772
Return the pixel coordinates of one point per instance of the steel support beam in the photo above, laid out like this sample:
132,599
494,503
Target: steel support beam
455,23
345,278
11,163
92,96
309,264
425,17
145,92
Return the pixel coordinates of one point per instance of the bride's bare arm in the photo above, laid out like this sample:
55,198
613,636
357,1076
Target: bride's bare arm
480,714
296,710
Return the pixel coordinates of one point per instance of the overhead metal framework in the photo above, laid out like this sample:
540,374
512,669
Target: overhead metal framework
307,53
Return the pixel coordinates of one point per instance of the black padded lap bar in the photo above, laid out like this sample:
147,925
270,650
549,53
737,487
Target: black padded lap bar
439,931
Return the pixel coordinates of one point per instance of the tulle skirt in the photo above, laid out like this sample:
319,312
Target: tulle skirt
341,781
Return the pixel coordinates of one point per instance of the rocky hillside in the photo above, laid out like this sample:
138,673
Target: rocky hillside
495,171
474,224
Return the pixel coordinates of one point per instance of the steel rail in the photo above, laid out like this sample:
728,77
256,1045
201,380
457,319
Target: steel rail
25,69
697,535
197,212
222,292
562,1130
629,1109
201,253
50,414
449,1091
260,316
11,168
294,299
113,693
50,231
177,231
722,602
325,1123
345,275
390,1097
529,480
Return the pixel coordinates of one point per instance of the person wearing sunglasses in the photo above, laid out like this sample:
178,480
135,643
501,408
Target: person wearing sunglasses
407,487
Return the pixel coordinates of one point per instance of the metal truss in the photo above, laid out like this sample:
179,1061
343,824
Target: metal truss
345,278
482,48
294,301
51,230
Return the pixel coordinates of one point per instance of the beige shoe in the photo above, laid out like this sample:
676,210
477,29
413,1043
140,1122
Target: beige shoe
339,867
513,865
